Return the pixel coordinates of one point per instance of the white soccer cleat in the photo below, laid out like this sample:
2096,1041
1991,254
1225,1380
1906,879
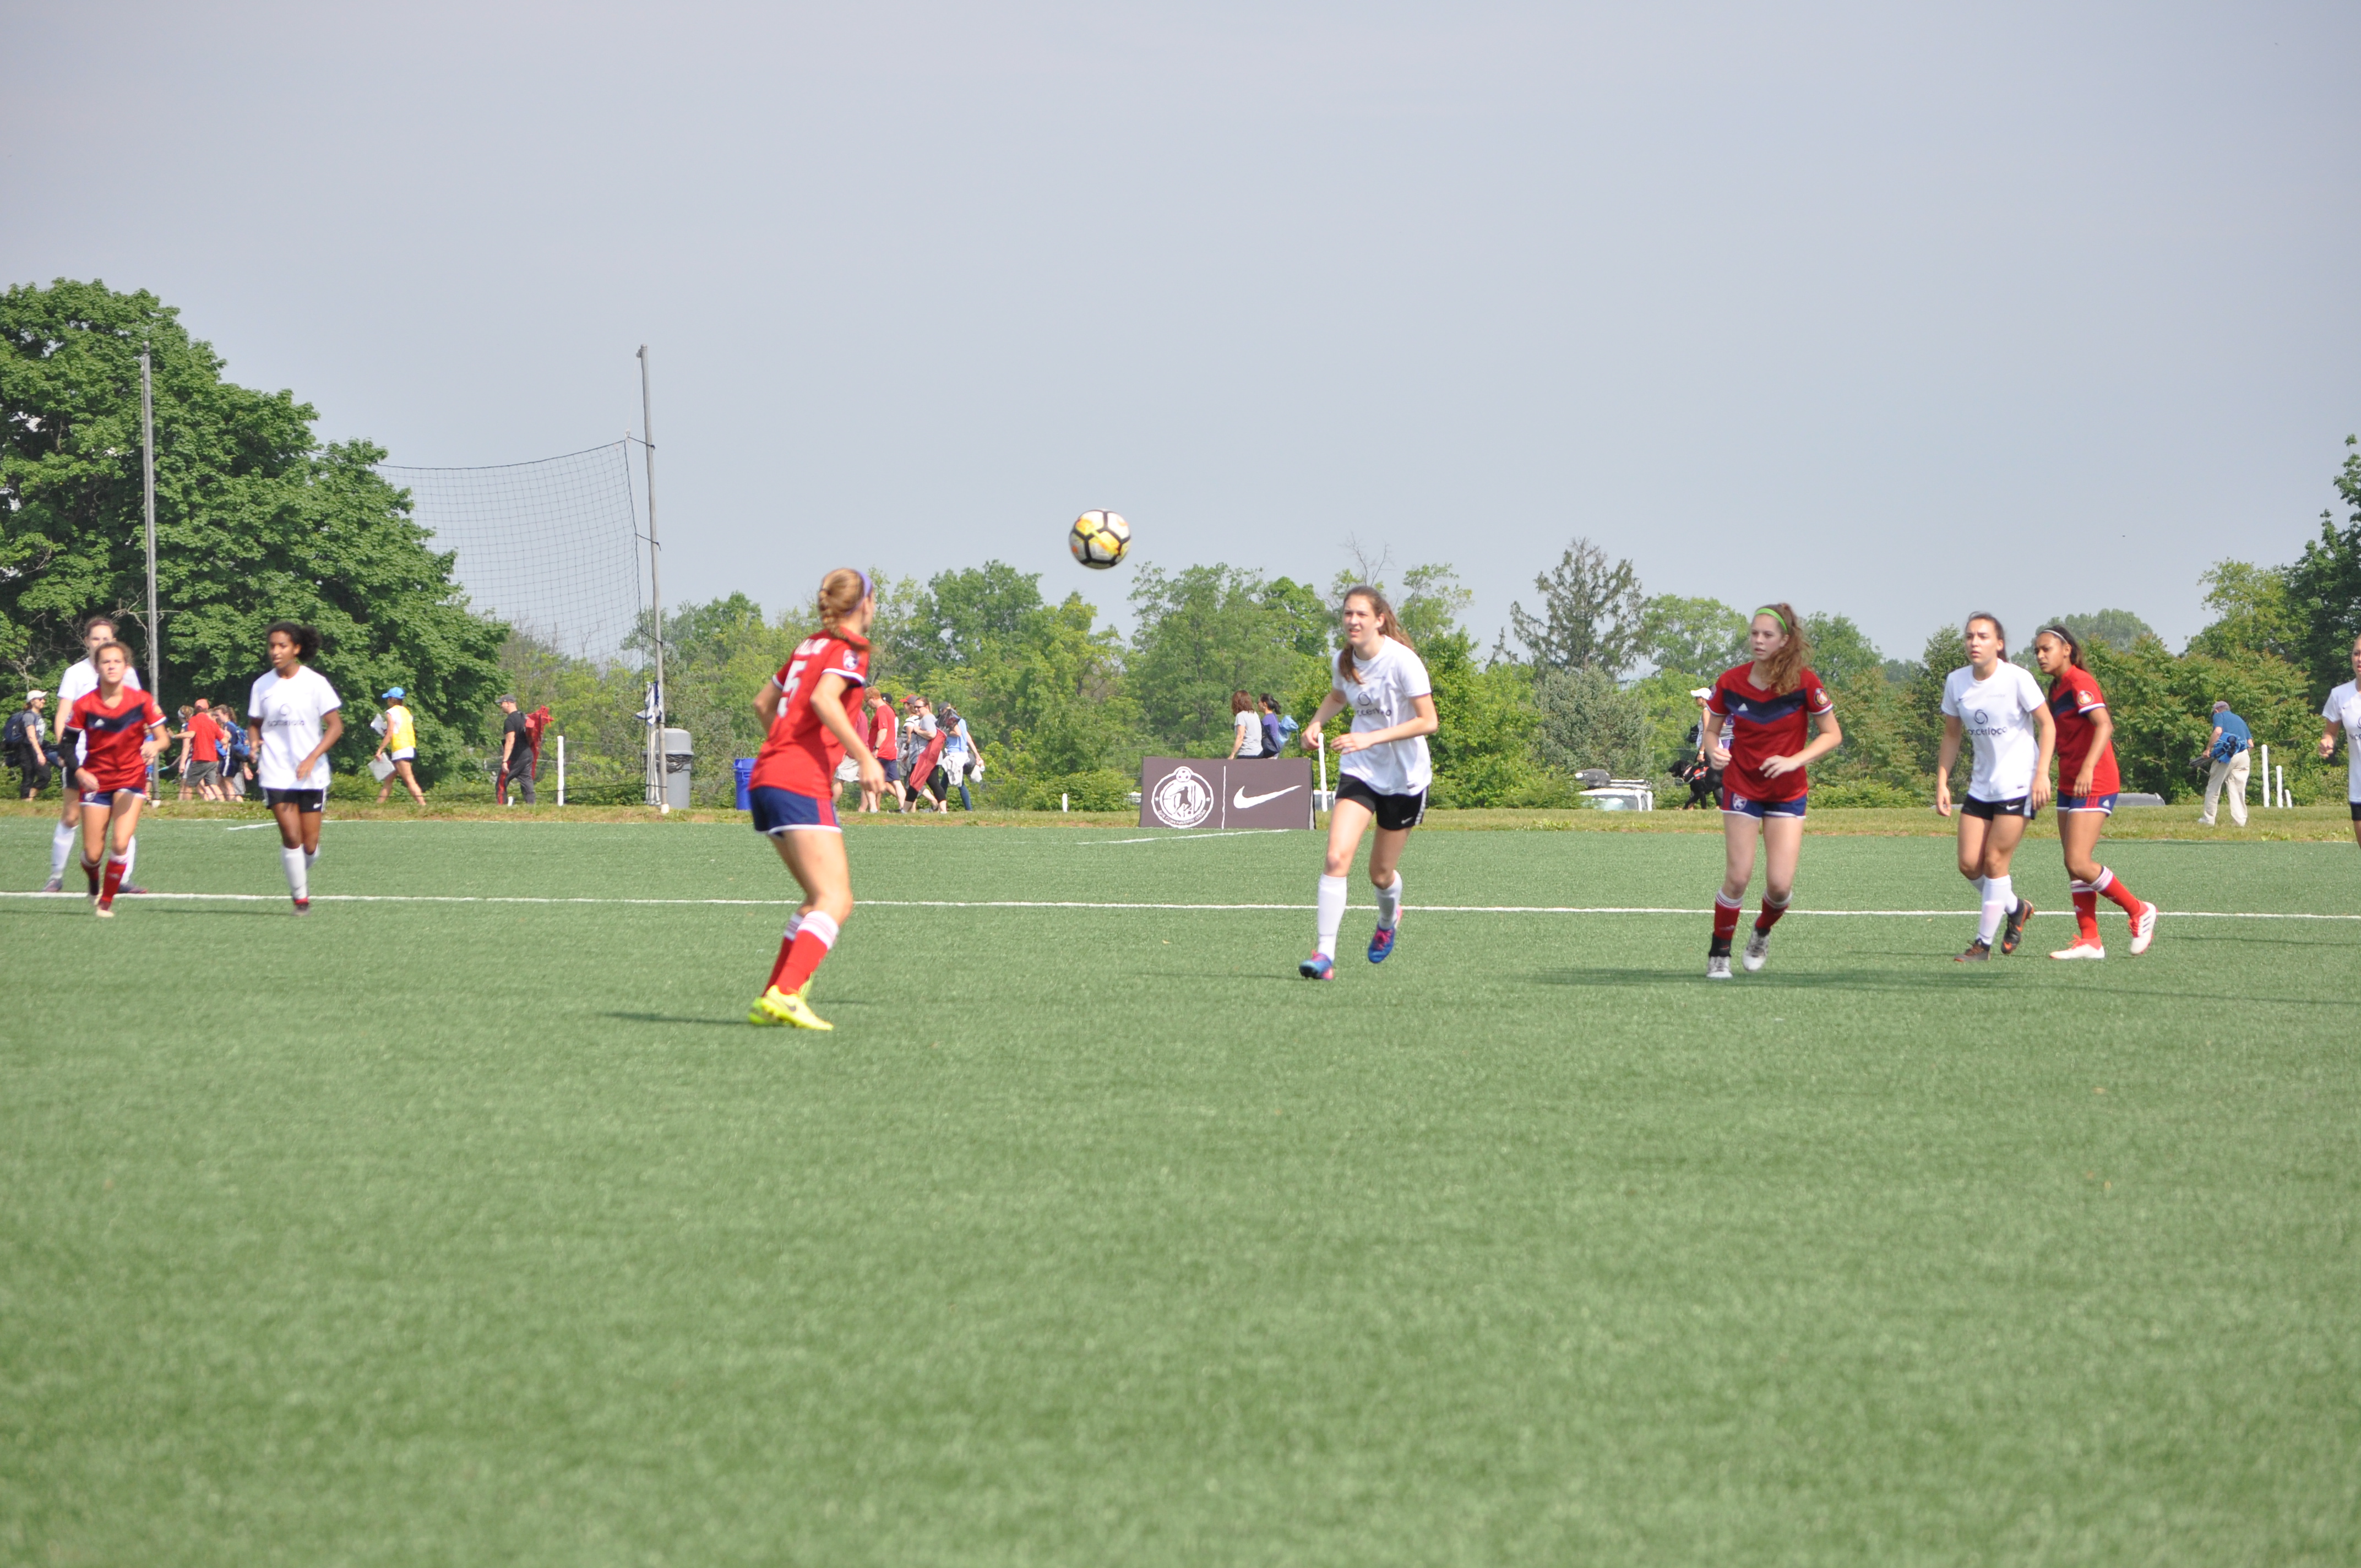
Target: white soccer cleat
2144,928
1717,967
2081,950
1757,948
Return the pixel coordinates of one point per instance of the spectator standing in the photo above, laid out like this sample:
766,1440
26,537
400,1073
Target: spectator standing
29,749
959,757
237,768
2229,751
2342,711
399,745
1274,739
926,735
881,745
516,750
1245,727
201,739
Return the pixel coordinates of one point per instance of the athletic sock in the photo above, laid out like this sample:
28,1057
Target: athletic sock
1725,921
61,843
130,858
2111,886
116,865
1999,897
812,941
787,946
92,871
1389,904
1771,913
1332,914
2086,909
299,884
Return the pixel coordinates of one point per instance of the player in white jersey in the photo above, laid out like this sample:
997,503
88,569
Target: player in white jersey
1999,708
292,721
1383,768
2342,711
81,678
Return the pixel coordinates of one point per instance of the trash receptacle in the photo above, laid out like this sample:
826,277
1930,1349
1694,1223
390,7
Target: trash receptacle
745,767
678,751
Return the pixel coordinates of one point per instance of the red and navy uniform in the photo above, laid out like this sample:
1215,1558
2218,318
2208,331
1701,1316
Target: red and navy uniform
799,756
1764,724
112,737
2074,700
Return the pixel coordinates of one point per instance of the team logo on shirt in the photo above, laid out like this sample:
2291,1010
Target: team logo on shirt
1184,798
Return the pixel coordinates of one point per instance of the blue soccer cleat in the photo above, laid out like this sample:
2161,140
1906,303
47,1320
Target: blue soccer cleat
1319,966
1381,942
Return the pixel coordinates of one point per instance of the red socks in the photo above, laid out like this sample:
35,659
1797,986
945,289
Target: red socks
116,866
2112,887
801,953
1724,919
1770,916
2086,909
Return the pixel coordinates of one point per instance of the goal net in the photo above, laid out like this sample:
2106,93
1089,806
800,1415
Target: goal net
551,546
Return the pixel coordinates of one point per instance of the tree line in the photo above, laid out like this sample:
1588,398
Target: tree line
259,519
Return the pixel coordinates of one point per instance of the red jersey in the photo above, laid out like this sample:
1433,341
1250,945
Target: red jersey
205,740
881,733
111,736
2074,700
800,754
1764,724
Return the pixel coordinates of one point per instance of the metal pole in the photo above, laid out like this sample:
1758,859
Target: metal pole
148,483
2269,797
662,797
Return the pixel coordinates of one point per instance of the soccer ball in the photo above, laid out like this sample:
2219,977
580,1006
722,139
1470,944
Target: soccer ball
1099,539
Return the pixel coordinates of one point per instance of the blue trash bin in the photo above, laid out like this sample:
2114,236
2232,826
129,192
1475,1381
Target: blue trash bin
745,767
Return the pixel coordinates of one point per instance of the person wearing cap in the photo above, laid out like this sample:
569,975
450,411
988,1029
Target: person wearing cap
959,756
2229,749
28,750
516,749
399,746
1698,773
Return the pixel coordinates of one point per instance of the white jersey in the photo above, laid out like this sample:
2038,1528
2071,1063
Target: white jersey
1997,714
2343,707
1380,699
79,681
292,714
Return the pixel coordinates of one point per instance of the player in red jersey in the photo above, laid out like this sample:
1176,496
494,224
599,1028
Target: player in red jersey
1760,727
793,791
121,729
2087,786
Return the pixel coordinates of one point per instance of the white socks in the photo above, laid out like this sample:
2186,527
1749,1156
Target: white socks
1332,914
62,846
1999,897
818,926
130,858
297,864
1389,904
795,924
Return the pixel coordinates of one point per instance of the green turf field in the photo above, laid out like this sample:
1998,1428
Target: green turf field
487,1231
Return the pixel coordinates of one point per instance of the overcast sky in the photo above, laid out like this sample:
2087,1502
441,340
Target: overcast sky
1894,311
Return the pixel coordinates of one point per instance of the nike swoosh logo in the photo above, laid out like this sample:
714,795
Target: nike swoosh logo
1241,800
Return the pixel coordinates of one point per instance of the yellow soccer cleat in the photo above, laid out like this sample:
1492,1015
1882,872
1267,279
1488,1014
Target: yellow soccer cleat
777,1008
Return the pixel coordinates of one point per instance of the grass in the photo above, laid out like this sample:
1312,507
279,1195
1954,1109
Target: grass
487,1232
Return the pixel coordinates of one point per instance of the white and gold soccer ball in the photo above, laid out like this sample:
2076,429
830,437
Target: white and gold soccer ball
1099,539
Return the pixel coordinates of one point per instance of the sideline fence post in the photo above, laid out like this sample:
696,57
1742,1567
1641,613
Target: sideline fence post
561,770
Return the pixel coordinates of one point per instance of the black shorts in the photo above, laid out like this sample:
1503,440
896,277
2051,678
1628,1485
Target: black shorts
892,766
2357,810
1394,813
307,801
2021,806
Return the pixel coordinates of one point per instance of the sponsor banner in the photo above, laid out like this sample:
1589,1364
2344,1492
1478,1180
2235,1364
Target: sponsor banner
1248,792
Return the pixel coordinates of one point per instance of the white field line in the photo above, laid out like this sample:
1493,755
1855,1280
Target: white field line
1080,904
1183,837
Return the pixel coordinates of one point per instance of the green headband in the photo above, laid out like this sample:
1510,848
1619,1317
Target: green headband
1774,615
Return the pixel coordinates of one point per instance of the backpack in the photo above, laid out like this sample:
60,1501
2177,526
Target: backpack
13,741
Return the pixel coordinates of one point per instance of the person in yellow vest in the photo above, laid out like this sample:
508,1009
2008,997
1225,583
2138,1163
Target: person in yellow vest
399,746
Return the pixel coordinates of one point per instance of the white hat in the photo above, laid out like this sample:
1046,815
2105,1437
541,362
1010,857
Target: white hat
1700,691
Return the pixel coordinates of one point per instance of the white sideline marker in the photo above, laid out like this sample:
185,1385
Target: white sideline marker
1080,904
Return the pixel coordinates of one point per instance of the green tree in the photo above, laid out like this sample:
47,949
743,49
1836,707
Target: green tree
2253,613
1591,614
955,618
2162,709
1698,637
2324,586
1587,721
1202,633
1841,652
2115,628
255,522
1921,717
